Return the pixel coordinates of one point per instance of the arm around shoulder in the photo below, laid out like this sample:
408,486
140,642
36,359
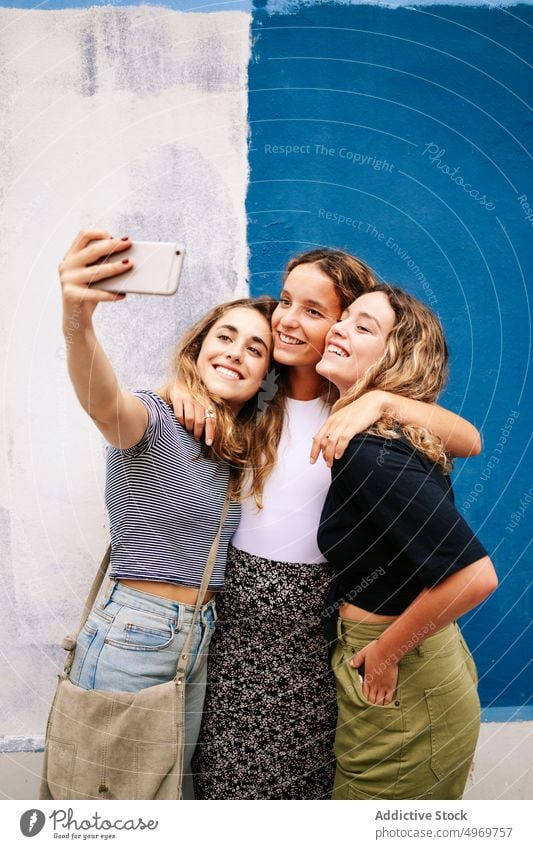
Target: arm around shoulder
459,437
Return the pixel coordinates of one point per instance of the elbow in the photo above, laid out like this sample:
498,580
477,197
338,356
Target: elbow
477,445
487,580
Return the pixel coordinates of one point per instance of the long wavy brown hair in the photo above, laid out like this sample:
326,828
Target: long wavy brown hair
350,277
414,364
235,440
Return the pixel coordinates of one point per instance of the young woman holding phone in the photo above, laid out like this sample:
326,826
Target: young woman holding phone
407,566
164,490
270,712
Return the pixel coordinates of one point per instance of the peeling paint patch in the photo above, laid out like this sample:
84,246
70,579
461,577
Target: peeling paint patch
88,62
22,744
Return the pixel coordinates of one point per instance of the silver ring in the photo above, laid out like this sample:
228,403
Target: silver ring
210,414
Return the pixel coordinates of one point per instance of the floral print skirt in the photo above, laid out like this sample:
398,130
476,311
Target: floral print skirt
270,711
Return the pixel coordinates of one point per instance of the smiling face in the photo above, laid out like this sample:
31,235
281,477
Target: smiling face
234,356
358,340
308,306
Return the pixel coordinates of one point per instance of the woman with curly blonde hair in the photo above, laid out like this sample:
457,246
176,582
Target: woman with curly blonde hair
406,565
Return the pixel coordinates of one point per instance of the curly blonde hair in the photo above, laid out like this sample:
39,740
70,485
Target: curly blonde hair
414,364
350,277
235,440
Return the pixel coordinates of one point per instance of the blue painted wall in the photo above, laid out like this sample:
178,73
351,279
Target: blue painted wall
401,135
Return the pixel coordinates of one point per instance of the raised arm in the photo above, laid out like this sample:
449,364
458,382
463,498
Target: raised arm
460,438
119,415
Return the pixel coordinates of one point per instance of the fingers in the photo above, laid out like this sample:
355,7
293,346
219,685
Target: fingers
331,441
378,695
328,448
190,414
77,275
84,237
210,426
379,688
177,406
81,278
327,444
341,446
100,249
107,269
316,446
92,296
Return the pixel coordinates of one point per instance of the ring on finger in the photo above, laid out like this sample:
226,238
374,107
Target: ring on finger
209,413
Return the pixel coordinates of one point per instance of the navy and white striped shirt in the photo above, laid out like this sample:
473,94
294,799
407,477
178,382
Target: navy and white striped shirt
164,504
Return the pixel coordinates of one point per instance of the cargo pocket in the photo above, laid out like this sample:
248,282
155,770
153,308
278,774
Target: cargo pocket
61,757
454,726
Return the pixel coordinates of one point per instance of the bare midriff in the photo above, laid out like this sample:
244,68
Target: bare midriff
357,614
174,592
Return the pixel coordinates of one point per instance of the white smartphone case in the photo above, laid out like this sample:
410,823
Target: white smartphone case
156,269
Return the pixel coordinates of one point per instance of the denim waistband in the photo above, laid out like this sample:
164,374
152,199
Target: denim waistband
178,610
358,634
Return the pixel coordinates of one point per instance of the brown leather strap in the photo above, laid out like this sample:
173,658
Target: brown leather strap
208,571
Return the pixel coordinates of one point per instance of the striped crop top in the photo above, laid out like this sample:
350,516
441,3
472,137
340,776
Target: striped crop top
164,503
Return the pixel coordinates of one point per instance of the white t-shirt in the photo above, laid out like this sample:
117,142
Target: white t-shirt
286,527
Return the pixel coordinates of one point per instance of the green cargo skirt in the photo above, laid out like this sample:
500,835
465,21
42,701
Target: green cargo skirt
421,745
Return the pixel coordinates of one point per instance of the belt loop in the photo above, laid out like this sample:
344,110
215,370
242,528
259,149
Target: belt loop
339,629
179,615
109,593
204,610
420,650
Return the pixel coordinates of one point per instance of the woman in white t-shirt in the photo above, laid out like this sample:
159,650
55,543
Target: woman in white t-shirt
270,711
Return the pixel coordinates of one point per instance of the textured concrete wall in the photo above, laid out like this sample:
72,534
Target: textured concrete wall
135,119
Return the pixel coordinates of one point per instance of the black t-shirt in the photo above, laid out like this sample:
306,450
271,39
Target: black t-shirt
389,526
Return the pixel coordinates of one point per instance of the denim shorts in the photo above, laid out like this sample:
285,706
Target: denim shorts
133,640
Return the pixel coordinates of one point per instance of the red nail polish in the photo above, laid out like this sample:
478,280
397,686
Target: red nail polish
125,262
125,239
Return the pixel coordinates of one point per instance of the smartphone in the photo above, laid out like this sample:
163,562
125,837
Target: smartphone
156,269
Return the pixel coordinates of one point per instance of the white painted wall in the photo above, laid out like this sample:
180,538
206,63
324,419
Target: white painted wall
135,119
